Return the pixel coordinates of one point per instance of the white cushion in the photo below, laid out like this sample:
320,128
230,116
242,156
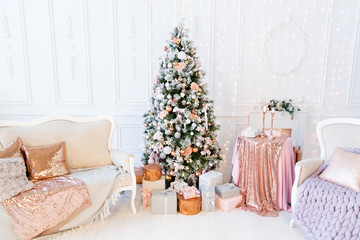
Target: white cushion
343,169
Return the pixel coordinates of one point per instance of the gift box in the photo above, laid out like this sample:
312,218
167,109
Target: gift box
164,201
150,186
190,192
211,178
190,206
177,185
249,132
227,190
208,198
152,172
139,173
228,204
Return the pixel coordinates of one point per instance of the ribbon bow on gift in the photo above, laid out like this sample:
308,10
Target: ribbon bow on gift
145,195
166,191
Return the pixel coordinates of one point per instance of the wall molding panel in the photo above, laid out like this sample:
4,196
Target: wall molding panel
355,71
71,52
14,61
125,84
124,135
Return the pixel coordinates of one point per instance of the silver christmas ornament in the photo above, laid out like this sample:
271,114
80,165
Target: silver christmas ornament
167,150
181,55
177,135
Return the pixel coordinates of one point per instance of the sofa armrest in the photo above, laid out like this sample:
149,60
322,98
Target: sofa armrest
123,159
303,170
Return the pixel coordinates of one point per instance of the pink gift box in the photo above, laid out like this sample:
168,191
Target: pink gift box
190,192
227,204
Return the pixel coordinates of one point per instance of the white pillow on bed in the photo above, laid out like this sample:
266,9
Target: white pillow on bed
343,169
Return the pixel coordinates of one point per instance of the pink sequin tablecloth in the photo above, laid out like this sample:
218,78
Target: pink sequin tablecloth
264,171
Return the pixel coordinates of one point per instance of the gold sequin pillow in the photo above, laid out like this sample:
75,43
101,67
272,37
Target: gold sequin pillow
12,150
45,162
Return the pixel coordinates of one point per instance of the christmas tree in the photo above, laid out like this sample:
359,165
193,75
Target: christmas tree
180,131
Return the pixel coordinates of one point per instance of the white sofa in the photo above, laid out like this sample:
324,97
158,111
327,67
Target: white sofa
331,133
88,141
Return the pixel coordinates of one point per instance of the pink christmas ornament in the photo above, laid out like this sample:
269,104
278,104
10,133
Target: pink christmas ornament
163,114
179,66
194,86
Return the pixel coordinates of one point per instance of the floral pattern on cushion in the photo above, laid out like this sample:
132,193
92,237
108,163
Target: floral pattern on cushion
13,179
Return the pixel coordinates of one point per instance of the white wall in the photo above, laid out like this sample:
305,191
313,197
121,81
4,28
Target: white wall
86,57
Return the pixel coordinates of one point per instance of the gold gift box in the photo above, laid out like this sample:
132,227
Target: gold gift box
139,176
190,206
152,172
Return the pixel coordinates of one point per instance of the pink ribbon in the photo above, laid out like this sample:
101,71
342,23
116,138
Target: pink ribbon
145,195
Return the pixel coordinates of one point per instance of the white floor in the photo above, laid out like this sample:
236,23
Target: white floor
237,224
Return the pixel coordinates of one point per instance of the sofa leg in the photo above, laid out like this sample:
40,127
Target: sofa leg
292,223
133,195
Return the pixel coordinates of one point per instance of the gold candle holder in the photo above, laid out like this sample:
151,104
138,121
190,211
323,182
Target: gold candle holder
263,130
271,137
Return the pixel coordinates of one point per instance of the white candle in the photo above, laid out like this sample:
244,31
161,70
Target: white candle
264,108
273,110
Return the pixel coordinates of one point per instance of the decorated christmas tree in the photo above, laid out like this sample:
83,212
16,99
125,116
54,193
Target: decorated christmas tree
180,131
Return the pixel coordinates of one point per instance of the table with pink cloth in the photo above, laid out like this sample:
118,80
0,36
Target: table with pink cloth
263,169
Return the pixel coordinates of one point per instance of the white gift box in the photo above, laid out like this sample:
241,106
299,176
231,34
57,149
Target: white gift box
249,132
211,178
164,201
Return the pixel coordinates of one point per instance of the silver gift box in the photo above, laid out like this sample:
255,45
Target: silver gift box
208,198
211,178
164,201
227,190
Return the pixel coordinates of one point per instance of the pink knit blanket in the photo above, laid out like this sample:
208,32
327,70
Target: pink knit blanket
326,210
